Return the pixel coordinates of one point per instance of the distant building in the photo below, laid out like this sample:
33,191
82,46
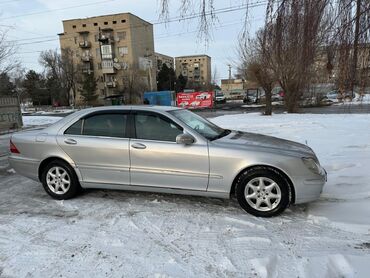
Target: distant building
196,68
109,46
232,84
163,59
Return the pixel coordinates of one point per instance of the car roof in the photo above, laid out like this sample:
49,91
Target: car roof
133,107
86,111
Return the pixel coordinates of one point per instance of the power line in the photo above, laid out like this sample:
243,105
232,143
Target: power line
9,1
175,19
54,10
137,43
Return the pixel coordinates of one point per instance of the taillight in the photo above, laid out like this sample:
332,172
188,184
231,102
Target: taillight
13,148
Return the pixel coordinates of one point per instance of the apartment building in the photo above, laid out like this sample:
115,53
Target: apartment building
109,47
197,69
163,59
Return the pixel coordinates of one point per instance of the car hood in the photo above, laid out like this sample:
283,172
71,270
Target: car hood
264,142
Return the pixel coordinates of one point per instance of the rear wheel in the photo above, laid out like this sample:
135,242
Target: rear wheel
263,191
60,181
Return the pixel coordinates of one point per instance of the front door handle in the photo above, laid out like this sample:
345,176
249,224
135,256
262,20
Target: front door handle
70,141
138,146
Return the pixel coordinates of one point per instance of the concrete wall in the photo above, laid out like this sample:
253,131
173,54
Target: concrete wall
10,114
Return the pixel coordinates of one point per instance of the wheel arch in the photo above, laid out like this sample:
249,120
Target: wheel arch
47,160
281,172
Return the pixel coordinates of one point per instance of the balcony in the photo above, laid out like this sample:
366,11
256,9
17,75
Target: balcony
84,44
86,58
111,84
107,66
86,70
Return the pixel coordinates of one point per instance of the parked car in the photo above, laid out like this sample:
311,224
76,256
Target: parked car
250,98
220,97
203,96
330,97
167,150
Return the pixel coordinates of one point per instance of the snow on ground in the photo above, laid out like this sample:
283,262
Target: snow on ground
274,103
127,234
39,120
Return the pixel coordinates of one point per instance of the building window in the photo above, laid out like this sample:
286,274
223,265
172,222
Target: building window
123,50
83,25
95,24
105,23
96,37
74,26
85,36
123,20
121,35
75,39
106,51
114,22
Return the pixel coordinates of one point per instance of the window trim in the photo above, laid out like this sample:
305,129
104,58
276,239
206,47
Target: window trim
96,113
132,127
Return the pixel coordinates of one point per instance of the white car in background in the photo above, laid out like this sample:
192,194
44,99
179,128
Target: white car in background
203,96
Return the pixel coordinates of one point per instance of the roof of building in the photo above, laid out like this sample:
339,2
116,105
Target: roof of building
192,56
100,16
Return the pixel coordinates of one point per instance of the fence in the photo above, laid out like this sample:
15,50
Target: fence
10,114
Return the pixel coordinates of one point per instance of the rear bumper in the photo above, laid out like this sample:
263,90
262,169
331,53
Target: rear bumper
309,189
25,166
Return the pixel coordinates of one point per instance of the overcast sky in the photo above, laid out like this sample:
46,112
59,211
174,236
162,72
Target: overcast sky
34,25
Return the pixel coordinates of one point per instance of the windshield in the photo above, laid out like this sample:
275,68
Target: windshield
201,125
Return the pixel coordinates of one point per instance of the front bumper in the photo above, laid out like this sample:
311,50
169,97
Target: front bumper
309,189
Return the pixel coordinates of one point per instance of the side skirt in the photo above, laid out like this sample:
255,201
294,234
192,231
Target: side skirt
223,195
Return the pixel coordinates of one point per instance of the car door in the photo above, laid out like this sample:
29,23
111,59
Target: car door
98,145
157,160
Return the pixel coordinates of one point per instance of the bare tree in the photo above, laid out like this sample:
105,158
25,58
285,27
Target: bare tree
54,74
254,55
135,83
353,41
70,74
295,30
7,52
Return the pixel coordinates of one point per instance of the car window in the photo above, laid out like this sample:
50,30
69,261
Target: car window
75,128
196,122
154,127
109,125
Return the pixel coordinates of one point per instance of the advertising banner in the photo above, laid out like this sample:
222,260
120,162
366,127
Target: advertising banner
195,100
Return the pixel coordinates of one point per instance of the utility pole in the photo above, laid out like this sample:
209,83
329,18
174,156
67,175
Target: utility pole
355,45
228,87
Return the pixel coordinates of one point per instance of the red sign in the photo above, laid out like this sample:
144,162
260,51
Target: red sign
195,100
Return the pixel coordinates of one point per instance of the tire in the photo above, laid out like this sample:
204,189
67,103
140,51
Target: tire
263,192
60,180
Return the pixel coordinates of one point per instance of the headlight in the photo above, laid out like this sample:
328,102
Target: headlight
312,165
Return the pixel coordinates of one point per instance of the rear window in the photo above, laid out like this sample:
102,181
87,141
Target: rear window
106,125
109,125
75,128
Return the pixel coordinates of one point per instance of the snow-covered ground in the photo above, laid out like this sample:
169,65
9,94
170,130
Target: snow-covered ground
126,234
39,120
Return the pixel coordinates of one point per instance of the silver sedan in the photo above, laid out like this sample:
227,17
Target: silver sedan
167,150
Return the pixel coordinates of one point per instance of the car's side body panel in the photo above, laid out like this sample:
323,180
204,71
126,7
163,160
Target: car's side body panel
171,165
206,168
99,159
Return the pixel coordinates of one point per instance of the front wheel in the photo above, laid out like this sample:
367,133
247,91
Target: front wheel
60,181
263,191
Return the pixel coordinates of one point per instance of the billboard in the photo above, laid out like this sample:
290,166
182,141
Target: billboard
195,100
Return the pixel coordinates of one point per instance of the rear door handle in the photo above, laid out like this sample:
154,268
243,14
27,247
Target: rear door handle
138,146
70,141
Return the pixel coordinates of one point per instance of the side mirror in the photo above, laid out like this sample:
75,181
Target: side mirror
185,139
